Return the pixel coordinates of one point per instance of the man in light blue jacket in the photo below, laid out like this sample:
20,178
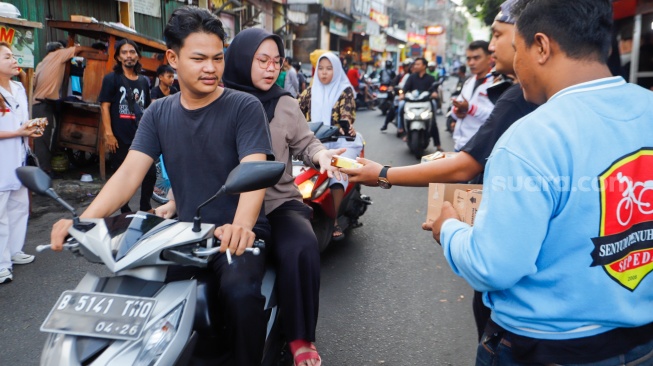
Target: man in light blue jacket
562,245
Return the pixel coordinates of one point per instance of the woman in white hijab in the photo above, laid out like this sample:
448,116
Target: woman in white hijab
329,100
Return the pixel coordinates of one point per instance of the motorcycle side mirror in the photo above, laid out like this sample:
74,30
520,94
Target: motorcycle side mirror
36,180
246,177
254,175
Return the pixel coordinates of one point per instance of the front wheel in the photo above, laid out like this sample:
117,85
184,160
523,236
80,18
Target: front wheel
415,143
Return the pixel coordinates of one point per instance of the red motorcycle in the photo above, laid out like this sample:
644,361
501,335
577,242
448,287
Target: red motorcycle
317,194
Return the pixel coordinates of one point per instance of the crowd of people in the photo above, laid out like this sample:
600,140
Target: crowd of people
552,283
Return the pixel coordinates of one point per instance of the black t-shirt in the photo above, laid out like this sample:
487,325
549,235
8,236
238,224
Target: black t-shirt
202,146
415,82
116,90
156,92
510,107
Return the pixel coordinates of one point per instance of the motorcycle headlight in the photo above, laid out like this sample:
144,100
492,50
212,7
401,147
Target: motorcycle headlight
320,190
426,115
158,337
306,187
410,115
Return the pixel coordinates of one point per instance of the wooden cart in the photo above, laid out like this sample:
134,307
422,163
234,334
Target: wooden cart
81,122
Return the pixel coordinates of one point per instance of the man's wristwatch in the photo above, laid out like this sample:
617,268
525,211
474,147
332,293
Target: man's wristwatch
383,181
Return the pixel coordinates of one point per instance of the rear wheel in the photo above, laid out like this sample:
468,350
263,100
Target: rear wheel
323,228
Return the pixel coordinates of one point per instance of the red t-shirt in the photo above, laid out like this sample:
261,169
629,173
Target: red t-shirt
353,77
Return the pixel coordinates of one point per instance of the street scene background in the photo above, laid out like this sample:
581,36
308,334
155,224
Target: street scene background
387,297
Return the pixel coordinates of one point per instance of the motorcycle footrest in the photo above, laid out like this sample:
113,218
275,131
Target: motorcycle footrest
366,199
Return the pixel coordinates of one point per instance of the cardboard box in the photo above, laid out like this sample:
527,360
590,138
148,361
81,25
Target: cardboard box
466,199
438,155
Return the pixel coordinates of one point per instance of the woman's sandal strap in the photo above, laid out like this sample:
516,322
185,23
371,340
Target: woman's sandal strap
305,356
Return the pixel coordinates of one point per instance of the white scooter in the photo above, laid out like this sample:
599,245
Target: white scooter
136,317
418,121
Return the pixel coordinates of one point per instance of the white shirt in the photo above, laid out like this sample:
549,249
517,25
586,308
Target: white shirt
480,108
12,150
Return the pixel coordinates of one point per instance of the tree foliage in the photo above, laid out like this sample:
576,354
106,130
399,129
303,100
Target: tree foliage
485,10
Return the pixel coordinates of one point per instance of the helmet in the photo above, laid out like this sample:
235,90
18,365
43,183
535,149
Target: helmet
407,61
432,64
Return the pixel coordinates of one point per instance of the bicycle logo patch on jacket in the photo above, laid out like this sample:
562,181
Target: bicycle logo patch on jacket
625,244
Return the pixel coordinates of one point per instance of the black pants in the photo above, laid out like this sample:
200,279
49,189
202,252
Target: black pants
43,145
242,306
147,187
435,133
481,313
297,255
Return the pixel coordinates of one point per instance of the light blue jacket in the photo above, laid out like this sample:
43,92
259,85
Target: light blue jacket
562,244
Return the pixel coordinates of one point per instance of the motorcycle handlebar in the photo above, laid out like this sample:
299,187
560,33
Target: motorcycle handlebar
70,244
205,252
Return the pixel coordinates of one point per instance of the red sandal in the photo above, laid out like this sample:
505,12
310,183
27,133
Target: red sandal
308,355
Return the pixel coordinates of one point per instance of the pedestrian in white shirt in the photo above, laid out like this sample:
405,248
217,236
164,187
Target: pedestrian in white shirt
14,199
472,107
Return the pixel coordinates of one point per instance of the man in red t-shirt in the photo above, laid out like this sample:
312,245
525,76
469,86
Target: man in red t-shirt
354,75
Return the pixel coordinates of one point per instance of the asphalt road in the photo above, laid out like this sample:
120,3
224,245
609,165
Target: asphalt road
388,296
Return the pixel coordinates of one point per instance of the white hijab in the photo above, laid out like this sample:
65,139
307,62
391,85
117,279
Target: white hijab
325,96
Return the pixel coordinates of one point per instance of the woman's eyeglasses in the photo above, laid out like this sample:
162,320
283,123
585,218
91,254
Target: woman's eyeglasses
264,62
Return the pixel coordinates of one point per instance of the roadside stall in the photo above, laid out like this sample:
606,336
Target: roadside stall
81,126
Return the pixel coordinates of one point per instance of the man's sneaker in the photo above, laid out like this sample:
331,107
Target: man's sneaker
22,258
5,275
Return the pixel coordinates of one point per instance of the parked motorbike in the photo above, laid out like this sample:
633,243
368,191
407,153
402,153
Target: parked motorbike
418,121
136,317
316,193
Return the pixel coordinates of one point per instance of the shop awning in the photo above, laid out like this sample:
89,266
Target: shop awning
340,15
399,35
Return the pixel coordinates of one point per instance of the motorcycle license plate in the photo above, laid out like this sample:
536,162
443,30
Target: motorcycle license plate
382,95
100,315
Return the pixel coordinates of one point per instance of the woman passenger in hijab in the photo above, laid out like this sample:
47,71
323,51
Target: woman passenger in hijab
252,64
331,99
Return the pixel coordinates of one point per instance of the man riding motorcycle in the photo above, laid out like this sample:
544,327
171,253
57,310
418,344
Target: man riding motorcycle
398,80
420,80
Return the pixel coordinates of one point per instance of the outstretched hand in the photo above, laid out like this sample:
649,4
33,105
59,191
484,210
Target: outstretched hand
367,175
324,161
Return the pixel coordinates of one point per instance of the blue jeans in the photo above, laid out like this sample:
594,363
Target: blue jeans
400,114
496,351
